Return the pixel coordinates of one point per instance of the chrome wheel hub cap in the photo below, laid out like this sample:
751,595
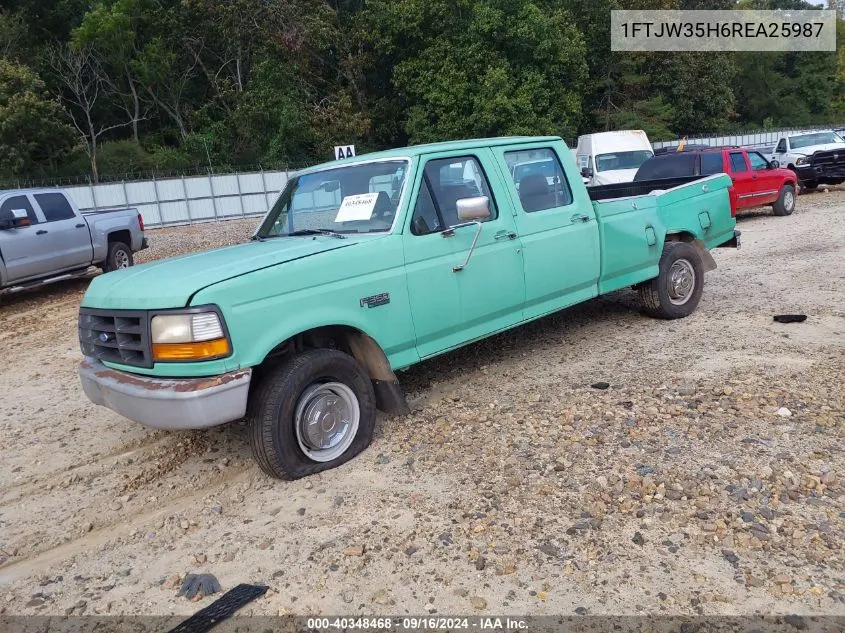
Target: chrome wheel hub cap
681,282
326,420
121,259
788,200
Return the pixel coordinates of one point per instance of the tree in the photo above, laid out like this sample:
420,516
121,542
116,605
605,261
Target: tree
86,89
33,134
481,68
112,29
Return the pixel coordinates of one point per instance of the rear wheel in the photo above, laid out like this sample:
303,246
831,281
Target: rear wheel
810,186
313,412
785,204
676,291
119,256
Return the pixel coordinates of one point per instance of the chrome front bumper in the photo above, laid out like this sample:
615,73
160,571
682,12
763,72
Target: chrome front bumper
167,403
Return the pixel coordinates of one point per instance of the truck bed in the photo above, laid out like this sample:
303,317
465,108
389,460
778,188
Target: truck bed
640,188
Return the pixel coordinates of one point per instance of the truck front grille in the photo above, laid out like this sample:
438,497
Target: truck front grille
117,336
829,163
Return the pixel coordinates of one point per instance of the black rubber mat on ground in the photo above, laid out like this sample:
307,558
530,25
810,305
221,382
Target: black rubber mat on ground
222,608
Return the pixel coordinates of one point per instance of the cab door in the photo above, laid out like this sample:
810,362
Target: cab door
768,183
465,280
64,233
559,234
745,181
22,249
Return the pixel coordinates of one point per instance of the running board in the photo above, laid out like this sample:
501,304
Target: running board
49,280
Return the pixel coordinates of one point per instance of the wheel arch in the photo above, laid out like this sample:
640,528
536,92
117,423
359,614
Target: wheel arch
354,341
123,235
681,235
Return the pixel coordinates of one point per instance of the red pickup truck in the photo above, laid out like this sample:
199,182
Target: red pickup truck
757,181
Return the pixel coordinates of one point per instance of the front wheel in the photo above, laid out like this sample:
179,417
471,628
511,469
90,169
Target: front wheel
119,256
785,204
313,412
676,291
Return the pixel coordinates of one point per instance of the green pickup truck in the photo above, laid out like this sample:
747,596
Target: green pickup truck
368,265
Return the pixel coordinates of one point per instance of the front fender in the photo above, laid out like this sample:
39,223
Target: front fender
362,288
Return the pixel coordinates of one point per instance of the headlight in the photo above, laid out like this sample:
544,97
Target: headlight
191,336
802,161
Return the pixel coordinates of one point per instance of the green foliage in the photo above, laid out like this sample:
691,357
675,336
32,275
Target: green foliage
33,131
481,68
198,84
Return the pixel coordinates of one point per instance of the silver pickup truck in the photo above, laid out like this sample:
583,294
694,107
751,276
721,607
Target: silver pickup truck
45,238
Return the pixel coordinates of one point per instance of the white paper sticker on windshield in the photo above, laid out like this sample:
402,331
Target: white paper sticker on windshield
357,207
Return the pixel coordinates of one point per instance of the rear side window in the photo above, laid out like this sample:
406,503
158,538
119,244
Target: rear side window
55,206
781,146
20,202
711,163
539,179
738,162
676,165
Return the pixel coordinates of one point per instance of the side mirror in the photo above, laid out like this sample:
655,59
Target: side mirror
586,172
473,209
470,211
13,218
774,164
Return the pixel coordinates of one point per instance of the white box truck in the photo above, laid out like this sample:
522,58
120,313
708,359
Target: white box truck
607,158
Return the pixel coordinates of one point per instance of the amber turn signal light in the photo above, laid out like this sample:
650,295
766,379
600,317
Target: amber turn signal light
191,351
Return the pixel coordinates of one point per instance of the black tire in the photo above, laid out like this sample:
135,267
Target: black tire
812,185
656,294
273,403
119,256
785,204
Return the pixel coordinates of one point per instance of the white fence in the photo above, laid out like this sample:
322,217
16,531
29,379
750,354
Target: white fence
759,140
187,199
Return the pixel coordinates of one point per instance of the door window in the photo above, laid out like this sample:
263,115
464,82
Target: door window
738,162
539,179
425,219
445,181
20,202
55,206
781,149
758,163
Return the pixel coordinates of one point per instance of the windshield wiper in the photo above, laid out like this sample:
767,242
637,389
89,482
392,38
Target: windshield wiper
317,232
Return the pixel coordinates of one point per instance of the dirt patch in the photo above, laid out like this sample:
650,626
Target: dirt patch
707,478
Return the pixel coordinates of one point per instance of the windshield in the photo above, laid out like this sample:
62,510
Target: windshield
817,138
543,167
354,199
622,160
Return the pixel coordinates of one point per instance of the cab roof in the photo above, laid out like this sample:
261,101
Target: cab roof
413,151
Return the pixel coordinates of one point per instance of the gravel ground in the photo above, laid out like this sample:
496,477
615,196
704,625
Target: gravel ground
707,478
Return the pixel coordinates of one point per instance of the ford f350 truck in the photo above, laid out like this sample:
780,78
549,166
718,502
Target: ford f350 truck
368,265
44,238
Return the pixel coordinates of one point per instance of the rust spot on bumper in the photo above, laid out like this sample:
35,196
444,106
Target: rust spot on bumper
178,385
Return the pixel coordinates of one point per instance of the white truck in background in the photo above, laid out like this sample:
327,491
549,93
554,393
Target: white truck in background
816,157
608,158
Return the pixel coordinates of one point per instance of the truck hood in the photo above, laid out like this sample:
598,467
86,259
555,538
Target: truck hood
812,149
170,283
614,176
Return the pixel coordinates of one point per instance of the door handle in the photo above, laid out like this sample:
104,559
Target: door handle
500,235
578,217
41,232
79,226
